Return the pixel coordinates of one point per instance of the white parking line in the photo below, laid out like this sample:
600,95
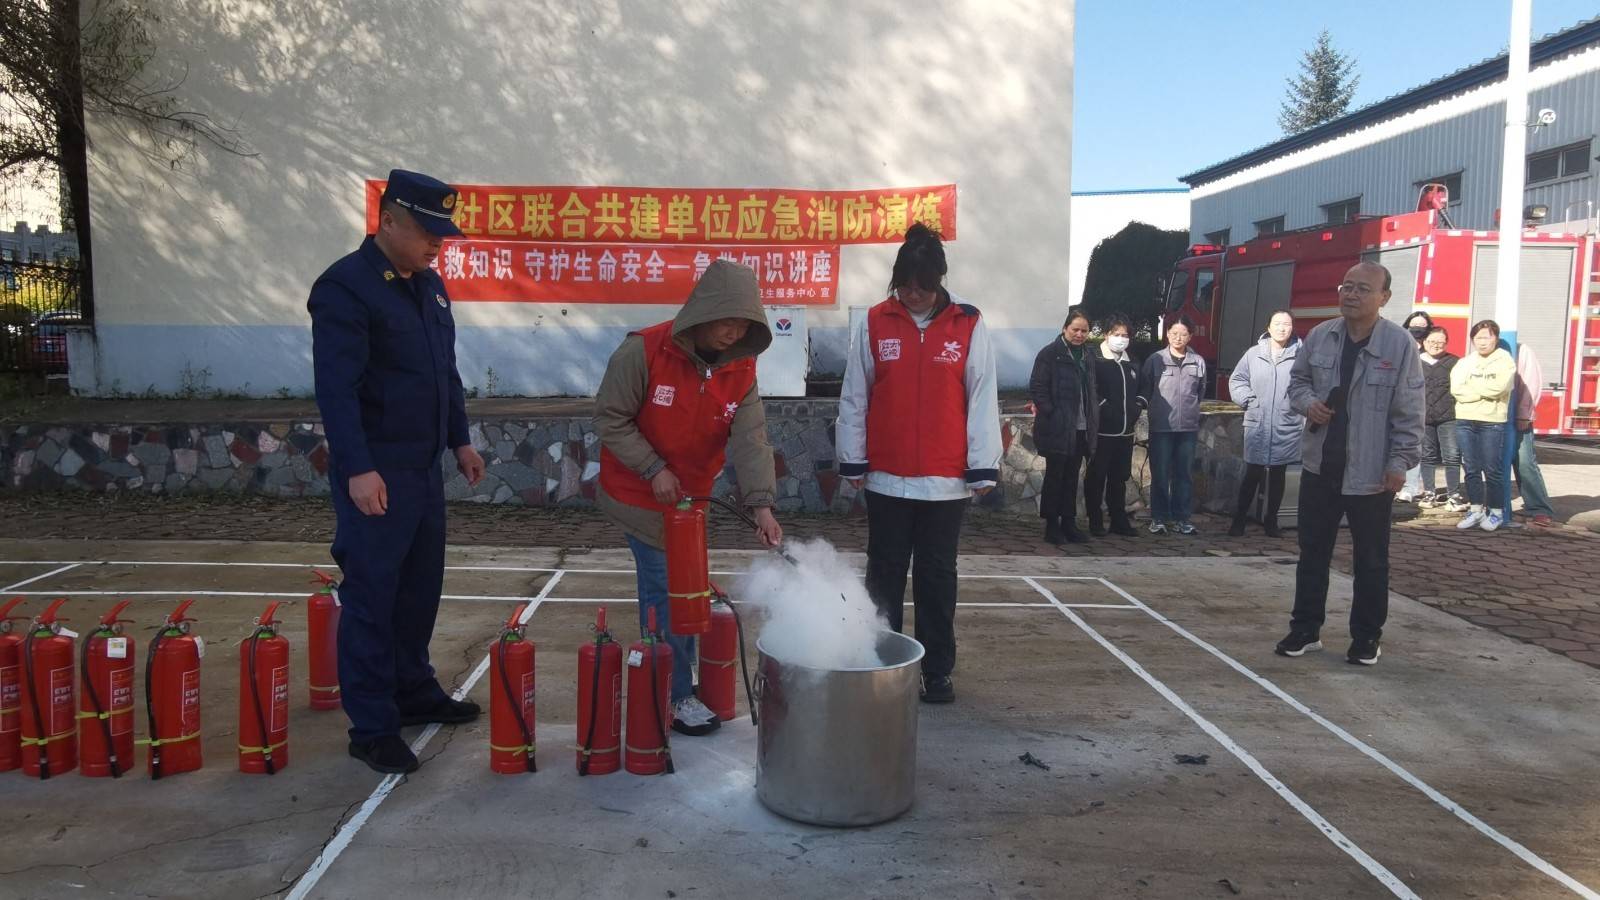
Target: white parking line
1375,868
64,568
1454,808
347,833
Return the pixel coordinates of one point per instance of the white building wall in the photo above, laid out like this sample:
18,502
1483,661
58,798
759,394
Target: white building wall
202,274
1097,215
1383,162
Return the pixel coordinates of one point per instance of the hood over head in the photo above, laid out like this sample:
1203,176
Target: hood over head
727,290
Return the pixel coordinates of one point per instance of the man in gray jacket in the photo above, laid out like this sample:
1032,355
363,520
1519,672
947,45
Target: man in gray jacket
1359,383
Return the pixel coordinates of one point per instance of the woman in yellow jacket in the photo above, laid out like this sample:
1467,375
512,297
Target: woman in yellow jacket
1481,383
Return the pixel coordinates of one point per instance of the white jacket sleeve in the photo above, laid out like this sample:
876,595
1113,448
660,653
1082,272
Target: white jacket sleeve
850,430
983,412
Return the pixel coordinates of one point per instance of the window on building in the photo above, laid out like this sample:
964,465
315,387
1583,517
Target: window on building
1562,162
1218,237
1451,182
1342,211
1269,226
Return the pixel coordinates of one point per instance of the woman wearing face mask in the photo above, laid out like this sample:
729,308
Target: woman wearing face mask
1439,445
1116,379
1062,388
1418,324
1260,384
1481,383
1172,383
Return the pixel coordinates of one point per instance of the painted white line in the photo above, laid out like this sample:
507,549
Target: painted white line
1375,868
347,833
64,568
463,568
1454,808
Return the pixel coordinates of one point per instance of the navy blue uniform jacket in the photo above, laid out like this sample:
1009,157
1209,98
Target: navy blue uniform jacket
384,353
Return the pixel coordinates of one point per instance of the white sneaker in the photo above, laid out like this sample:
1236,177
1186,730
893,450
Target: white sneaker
1456,504
1158,527
1492,521
1472,519
693,718
1403,497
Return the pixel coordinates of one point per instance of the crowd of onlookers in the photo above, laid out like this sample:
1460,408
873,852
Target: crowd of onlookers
1088,397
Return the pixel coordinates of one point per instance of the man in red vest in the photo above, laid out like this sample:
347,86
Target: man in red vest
919,425
676,398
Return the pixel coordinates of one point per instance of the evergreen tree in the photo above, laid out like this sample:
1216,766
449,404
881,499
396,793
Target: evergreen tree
1125,271
1322,90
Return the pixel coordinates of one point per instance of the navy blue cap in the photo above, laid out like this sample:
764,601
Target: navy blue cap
430,201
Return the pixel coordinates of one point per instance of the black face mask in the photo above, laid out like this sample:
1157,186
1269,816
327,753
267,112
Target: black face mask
1418,333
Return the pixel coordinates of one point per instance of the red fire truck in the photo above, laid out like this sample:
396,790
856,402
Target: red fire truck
1228,292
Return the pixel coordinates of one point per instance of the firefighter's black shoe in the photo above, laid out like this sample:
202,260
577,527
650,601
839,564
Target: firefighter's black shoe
937,689
1363,652
1298,643
445,712
387,754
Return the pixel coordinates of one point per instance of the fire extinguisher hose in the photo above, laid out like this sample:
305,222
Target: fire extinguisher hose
655,707
744,665
516,708
261,716
43,740
154,741
594,708
99,711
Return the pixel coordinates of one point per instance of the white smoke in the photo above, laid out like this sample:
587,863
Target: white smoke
816,613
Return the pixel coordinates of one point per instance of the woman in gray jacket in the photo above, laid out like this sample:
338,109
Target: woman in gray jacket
1260,385
1172,381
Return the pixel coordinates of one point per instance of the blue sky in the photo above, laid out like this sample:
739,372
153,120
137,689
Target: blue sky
1164,87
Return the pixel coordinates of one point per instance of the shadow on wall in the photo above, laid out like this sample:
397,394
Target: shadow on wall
529,91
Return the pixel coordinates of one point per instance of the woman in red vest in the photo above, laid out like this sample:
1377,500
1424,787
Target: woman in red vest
676,399
919,427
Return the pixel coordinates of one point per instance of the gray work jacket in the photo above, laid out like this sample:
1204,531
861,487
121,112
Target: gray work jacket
1385,399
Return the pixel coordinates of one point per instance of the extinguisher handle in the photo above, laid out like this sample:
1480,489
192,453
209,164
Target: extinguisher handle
177,615
49,614
266,620
8,606
514,623
111,618
323,578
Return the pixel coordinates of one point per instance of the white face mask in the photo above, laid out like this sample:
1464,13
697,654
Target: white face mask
1117,343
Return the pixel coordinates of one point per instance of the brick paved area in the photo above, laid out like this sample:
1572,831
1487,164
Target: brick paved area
1535,585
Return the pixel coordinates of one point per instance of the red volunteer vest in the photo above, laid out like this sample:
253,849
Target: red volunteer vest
687,415
917,411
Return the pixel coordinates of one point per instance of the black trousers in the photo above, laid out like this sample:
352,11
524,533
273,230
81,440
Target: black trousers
924,535
1321,506
1252,482
1058,496
1106,482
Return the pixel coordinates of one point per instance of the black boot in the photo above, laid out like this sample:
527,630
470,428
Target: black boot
1097,524
1275,480
1237,528
1052,532
1120,524
1069,529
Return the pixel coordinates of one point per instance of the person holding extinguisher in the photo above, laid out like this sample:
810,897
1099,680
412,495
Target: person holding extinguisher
676,400
383,348
919,428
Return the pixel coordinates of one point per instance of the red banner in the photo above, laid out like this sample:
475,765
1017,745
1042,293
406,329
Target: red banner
694,215
522,272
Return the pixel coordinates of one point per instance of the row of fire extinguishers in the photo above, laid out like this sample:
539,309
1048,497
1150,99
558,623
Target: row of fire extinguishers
56,716
602,745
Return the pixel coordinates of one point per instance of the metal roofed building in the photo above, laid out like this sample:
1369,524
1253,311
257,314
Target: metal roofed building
1375,160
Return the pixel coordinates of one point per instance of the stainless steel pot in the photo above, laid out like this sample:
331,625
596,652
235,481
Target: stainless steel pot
839,746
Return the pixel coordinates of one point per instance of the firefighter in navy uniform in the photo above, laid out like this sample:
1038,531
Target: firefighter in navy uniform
383,349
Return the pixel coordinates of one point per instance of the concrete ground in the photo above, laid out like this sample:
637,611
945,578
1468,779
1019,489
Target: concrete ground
1461,766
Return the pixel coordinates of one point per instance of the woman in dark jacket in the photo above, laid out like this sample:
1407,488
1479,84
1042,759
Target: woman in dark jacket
1062,388
1116,378
1439,446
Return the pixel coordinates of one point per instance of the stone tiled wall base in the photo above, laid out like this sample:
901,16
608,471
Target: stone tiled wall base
549,461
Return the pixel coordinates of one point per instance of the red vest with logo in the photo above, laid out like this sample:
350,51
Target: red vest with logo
917,411
687,415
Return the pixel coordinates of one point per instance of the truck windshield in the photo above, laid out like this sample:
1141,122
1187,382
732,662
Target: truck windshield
1175,293
1204,284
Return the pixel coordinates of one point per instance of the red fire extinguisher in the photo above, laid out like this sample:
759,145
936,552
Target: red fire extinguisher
105,710
322,642
649,712
688,578
49,733
264,698
172,695
10,689
719,653
511,713
600,702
